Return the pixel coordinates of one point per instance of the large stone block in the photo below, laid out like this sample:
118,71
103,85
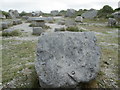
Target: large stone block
64,59
37,30
90,14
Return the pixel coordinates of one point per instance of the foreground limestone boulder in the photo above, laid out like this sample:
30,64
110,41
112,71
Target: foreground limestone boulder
64,59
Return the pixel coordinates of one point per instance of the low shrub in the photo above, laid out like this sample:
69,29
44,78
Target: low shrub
72,29
12,33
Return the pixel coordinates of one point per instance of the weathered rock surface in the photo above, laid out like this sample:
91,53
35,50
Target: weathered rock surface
64,59
70,12
111,22
90,14
79,19
37,30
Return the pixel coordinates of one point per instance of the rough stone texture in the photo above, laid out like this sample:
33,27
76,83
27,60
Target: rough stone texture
90,14
111,22
38,24
55,12
79,19
64,59
117,16
70,12
37,30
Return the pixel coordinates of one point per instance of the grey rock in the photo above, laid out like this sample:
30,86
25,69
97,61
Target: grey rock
37,21
79,19
90,14
55,12
64,59
37,30
49,19
111,22
70,12
117,16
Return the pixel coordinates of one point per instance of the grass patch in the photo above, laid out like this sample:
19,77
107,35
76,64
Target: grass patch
12,33
72,29
15,58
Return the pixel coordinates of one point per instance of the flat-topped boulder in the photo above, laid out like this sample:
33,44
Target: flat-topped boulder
37,30
37,21
65,59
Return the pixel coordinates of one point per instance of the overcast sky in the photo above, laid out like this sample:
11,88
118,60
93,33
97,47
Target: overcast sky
48,5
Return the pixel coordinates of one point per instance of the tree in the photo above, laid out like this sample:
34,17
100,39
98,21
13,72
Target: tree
6,14
105,11
23,13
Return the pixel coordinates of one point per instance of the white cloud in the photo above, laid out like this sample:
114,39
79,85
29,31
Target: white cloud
48,5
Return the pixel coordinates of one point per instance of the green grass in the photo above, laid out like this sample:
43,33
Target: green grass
12,33
15,58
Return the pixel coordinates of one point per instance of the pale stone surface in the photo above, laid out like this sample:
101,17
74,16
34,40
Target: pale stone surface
64,59
79,19
37,30
111,22
90,14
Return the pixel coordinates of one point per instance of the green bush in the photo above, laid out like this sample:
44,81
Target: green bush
12,33
105,11
72,29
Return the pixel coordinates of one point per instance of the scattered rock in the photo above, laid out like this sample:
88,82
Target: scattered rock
111,22
79,19
64,59
37,30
